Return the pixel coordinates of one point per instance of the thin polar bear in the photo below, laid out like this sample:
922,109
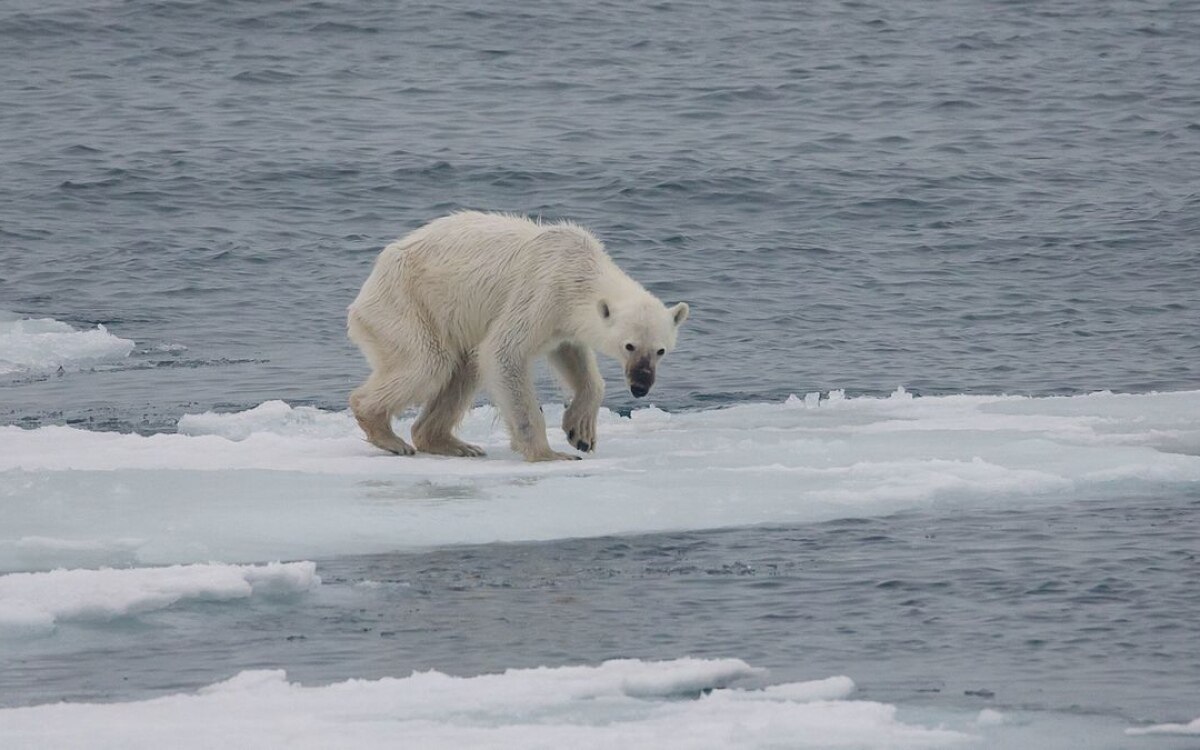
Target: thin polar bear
472,299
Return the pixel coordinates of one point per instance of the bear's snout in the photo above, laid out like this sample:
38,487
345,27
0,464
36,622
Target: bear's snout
641,378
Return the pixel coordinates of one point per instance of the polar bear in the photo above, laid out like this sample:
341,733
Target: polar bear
474,298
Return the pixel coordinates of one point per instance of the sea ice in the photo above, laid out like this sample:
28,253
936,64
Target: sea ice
274,417
627,703
36,601
281,482
43,344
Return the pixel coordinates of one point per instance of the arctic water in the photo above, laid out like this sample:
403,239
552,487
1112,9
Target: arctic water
942,227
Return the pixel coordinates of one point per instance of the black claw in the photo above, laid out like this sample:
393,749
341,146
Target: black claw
583,446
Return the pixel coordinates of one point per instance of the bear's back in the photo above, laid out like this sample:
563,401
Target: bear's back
470,246
463,270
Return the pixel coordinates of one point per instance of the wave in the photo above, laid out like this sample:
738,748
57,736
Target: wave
284,482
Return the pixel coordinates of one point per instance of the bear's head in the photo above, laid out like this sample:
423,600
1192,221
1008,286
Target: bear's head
638,334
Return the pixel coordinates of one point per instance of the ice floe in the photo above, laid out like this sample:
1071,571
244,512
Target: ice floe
34,602
44,345
686,703
1191,728
283,482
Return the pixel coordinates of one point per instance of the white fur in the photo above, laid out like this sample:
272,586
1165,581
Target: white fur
473,298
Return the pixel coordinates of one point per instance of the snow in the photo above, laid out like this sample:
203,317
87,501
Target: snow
34,602
44,345
626,703
282,482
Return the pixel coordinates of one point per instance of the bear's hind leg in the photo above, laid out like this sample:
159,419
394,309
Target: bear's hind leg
412,377
375,418
433,431
370,402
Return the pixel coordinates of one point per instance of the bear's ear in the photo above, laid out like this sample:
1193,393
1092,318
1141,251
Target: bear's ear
679,312
602,306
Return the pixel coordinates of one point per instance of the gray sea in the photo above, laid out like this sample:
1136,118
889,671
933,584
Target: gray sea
959,198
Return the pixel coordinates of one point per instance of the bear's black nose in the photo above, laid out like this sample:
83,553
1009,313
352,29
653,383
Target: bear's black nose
641,377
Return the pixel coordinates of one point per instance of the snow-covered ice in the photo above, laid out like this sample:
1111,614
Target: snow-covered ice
626,703
34,602
44,344
282,482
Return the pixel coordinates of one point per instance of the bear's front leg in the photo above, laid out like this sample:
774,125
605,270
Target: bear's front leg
579,424
505,371
576,365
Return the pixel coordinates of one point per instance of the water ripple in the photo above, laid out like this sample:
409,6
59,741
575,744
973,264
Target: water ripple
850,194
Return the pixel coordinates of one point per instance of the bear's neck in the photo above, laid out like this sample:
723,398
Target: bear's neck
616,287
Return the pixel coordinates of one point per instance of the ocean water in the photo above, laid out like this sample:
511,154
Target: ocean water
940,226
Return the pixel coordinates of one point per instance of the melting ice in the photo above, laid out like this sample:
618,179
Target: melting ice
34,602
44,345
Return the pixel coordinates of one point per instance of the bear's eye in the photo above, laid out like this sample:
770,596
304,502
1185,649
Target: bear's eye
662,352
629,347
